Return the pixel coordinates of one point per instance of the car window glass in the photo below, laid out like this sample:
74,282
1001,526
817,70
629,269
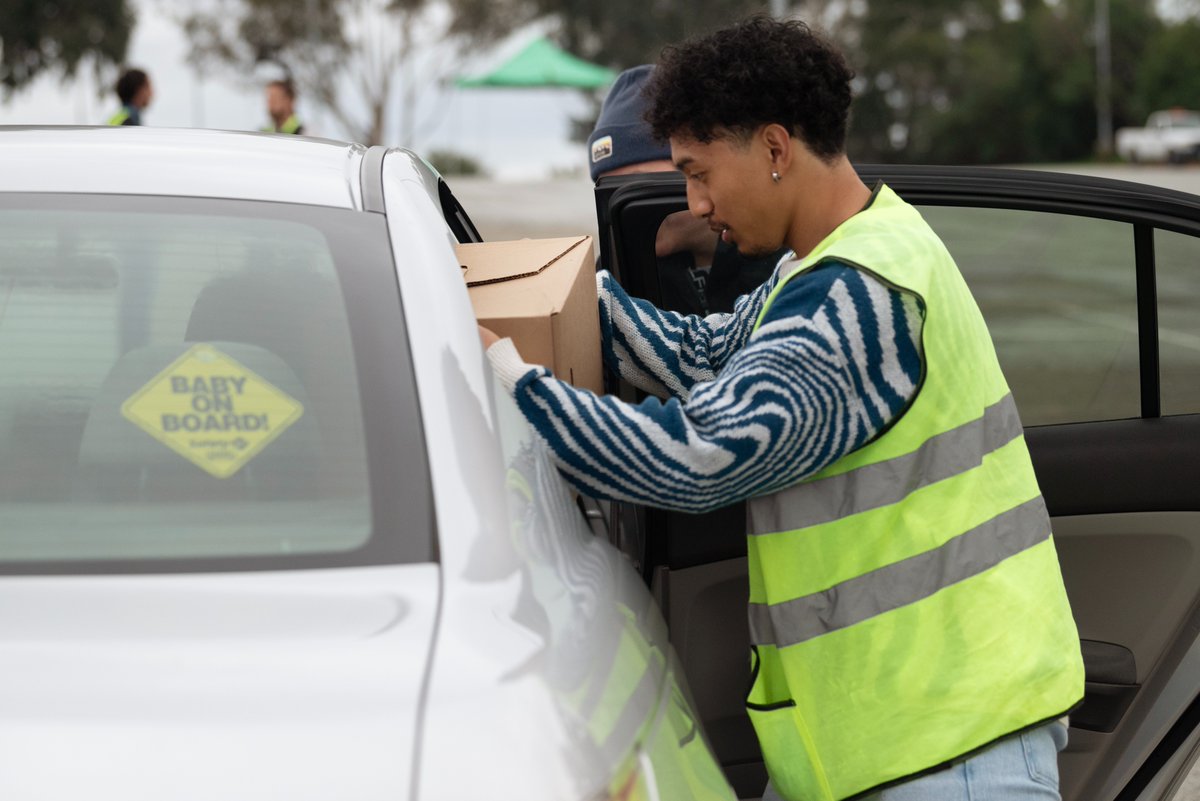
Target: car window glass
699,274
175,386
1058,293
1177,260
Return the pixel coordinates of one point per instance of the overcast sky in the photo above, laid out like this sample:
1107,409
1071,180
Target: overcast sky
517,133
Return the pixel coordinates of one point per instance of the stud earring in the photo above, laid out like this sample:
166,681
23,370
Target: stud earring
775,176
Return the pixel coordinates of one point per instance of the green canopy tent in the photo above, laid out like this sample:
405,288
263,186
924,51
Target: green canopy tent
542,63
539,65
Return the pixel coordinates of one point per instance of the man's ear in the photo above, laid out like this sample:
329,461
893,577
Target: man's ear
780,147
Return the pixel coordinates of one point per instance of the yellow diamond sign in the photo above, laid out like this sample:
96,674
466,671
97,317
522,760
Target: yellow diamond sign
212,410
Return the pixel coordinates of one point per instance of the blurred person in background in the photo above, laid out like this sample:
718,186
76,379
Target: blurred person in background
281,107
135,93
700,275
911,637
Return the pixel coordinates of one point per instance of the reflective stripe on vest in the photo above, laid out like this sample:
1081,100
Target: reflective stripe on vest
900,583
119,118
906,604
871,486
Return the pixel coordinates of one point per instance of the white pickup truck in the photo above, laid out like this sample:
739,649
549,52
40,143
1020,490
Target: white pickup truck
1172,135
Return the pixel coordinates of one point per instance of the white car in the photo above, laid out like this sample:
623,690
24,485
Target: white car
1172,135
268,528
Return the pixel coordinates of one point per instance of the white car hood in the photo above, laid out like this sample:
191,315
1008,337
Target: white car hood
301,685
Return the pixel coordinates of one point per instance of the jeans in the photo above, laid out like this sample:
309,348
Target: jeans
1019,768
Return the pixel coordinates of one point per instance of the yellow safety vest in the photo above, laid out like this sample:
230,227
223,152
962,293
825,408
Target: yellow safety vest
290,126
906,604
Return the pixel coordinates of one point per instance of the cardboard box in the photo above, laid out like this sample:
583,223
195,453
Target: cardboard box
542,293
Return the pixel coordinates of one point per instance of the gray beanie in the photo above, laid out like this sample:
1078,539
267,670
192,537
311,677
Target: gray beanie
622,135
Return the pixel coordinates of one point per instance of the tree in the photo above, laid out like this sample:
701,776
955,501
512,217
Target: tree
361,60
966,81
1170,72
1025,92
60,34
618,33
952,81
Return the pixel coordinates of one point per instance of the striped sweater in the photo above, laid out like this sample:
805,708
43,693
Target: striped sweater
740,412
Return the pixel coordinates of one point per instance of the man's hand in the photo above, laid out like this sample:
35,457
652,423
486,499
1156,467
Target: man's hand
487,337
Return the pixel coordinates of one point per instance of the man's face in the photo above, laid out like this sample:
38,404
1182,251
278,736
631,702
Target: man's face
144,95
729,185
279,105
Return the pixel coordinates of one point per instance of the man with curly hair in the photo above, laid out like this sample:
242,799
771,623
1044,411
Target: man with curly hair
135,92
911,637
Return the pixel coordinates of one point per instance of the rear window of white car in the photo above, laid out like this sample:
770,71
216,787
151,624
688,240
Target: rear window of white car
191,384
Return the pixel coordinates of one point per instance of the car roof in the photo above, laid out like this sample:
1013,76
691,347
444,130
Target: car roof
181,161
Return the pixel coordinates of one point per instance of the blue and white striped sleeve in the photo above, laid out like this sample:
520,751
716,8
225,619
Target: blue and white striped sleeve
836,359
667,353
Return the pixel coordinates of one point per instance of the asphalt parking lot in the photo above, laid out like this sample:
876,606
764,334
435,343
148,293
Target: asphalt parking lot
534,209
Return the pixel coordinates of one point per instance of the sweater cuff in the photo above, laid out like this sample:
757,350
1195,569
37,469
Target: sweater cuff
507,363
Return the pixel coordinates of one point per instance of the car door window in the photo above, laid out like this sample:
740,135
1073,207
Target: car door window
1059,296
1177,259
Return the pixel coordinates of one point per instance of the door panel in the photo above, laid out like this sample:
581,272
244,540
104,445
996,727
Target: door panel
1133,579
706,615
1064,271
1108,562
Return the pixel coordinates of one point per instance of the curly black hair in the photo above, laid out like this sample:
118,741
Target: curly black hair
129,83
757,72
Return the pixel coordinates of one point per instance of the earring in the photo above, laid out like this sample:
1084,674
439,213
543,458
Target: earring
775,176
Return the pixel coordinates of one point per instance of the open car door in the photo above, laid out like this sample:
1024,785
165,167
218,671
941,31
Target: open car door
1091,291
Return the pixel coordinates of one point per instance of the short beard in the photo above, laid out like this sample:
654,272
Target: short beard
760,252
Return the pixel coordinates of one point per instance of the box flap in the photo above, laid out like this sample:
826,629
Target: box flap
496,262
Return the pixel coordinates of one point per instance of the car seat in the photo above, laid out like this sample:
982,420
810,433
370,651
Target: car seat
299,316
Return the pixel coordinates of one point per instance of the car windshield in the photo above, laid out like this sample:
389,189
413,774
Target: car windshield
1183,119
189,384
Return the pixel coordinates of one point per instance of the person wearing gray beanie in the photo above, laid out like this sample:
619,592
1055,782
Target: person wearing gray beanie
622,136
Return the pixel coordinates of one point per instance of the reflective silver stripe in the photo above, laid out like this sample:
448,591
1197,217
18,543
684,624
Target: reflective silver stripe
902,583
883,483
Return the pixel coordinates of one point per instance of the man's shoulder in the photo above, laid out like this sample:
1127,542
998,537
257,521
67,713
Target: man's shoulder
821,276
805,293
